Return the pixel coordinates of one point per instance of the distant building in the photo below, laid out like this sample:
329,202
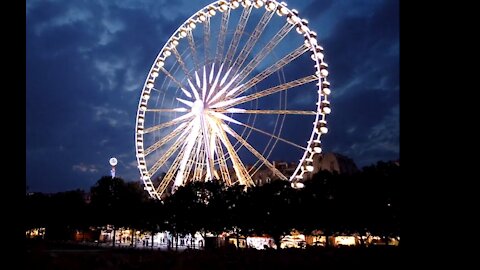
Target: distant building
334,162
265,175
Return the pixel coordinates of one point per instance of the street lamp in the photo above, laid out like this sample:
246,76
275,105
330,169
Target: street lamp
113,162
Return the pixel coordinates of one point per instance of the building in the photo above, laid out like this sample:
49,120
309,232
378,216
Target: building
332,162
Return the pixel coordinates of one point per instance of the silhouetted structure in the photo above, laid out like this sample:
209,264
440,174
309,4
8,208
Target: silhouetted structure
332,162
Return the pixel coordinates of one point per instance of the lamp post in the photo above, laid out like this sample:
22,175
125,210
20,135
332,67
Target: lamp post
113,162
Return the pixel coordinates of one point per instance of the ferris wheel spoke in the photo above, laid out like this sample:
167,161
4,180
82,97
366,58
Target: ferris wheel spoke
222,35
190,163
163,185
167,179
215,83
190,141
271,69
237,110
252,40
191,43
181,62
178,120
204,85
273,135
241,172
174,110
165,139
223,90
207,146
222,163
213,148
254,152
173,79
195,160
264,52
237,35
275,89
206,39
170,151
200,160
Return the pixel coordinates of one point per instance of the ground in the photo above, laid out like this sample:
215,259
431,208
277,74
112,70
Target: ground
42,255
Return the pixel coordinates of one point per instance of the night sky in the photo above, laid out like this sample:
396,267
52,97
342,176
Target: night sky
86,62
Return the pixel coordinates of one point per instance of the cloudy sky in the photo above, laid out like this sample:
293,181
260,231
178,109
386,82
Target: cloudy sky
86,62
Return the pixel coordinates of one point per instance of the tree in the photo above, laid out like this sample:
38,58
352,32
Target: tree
113,201
270,210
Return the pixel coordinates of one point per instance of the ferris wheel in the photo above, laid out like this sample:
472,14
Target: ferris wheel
238,84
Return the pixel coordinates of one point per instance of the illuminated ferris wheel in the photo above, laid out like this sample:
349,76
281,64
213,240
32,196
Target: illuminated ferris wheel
238,83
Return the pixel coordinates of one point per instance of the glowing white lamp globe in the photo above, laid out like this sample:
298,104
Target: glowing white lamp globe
113,161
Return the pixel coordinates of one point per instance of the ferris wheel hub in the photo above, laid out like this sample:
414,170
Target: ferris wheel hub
198,107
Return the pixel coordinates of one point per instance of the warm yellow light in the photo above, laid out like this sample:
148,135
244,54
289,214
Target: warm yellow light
324,73
258,4
345,240
298,185
326,107
270,6
223,7
246,3
316,147
322,127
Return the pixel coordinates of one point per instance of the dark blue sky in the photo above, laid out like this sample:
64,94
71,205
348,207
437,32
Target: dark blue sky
87,61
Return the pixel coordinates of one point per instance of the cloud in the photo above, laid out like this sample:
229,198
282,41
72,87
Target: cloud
113,116
364,125
133,80
70,16
85,168
361,50
108,70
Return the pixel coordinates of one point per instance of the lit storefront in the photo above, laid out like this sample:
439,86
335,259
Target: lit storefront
293,241
345,240
261,242
35,233
124,237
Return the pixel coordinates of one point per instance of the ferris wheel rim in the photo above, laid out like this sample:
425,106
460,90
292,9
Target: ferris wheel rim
323,105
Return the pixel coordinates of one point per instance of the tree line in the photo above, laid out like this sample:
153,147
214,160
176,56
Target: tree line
330,204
